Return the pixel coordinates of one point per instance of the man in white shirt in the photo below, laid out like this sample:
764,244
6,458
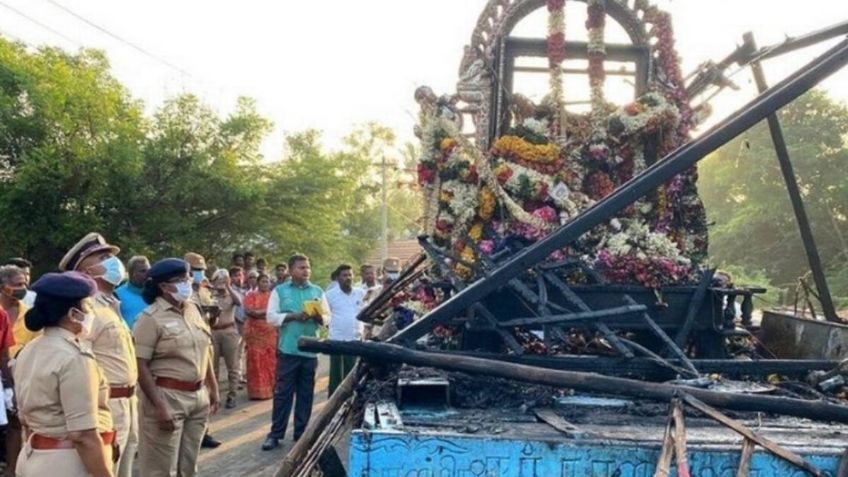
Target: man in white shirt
345,301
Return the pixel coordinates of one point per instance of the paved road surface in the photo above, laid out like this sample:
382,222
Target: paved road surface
242,431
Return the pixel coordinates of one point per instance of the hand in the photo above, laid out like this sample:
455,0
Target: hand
165,418
214,402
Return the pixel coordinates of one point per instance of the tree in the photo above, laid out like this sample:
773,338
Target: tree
746,198
69,135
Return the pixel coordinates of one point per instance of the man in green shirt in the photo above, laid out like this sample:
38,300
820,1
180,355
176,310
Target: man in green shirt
298,308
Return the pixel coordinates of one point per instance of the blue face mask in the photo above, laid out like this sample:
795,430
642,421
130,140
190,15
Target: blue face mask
114,271
197,276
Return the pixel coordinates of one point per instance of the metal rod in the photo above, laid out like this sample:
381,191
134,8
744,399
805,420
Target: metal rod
662,171
794,191
803,41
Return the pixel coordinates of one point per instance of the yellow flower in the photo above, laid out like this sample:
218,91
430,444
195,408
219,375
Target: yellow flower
476,232
487,204
445,196
514,146
447,143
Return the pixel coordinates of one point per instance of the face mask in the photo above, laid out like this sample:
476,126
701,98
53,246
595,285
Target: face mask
393,275
115,272
197,276
16,293
87,322
183,292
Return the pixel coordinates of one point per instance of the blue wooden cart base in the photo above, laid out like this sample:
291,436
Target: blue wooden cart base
400,454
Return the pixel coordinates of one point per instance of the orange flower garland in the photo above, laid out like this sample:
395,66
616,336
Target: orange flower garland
514,147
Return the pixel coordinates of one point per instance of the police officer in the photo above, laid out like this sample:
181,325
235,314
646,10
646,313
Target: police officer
202,296
174,348
110,339
62,393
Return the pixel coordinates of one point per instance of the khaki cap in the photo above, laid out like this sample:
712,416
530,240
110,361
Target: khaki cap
195,261
87,246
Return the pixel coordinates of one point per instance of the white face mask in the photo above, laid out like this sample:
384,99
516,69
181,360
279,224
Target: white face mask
87,322
183,292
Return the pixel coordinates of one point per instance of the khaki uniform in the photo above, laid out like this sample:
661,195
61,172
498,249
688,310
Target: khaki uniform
226,342
178,345
111,342
60,389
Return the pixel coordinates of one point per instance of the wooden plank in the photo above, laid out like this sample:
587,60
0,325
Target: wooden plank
745,458
614,340
550,417
768,445
666,452
680,438
659,333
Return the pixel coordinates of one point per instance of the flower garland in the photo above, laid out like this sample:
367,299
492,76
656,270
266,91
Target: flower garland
637,254
650,113
488,177
545,158
556,55
595,23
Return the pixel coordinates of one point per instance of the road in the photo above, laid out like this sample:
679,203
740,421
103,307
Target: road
242,430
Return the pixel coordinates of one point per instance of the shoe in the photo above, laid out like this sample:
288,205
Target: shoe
231,403
209,442
270,443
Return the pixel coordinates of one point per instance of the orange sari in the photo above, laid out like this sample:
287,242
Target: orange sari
260,341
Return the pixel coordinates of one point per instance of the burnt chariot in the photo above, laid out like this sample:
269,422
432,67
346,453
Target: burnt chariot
564,297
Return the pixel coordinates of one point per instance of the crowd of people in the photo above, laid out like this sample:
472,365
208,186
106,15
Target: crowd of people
102,364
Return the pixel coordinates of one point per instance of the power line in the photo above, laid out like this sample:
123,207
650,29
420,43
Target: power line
42,25
120,39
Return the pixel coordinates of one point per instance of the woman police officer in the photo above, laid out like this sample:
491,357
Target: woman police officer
174,351
62,393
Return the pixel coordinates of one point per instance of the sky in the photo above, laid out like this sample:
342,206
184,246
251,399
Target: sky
333,64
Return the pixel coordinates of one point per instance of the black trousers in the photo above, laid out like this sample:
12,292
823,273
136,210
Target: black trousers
295,377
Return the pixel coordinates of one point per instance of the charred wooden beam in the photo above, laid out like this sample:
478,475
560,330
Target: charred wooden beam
588,382
694,306
574,317
660,172
648,369
748,434
659,333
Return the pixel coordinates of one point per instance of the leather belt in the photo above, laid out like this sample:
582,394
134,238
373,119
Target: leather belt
121,392
40,442
223,327
177,385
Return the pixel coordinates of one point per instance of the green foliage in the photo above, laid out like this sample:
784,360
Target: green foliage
78,155
743,189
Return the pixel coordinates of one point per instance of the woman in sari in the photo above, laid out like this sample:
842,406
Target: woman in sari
260,343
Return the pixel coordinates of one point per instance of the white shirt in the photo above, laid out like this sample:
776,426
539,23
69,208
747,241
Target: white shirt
29,299
343,310
370,292
275,318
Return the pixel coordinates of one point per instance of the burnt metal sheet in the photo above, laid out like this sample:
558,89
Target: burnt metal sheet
791,337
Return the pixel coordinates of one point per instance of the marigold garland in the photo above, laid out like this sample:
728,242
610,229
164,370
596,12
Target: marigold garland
516,148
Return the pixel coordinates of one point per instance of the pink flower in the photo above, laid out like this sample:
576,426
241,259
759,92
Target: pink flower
487,246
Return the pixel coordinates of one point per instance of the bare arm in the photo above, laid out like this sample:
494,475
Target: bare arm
90,447
164,416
